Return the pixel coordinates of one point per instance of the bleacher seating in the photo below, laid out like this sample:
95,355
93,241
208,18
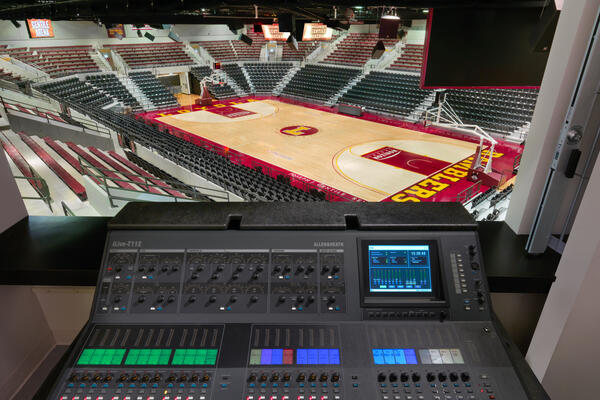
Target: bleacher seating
410,59
53,164
252,52
304,49
65,60
110,84
153,89
235,72
319,82
220,50
356,48
152,54
386,92
77,91
265,76
497,110
222,91
9,76
247,183
21,164
33,111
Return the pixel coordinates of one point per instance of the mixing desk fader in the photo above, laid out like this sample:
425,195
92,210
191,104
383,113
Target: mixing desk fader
286,302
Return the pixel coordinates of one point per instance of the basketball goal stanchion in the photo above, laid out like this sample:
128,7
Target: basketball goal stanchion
205,96
443,115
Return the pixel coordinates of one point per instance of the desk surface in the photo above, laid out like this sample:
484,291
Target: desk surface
68,250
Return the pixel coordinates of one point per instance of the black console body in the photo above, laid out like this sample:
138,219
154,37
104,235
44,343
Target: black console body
291,302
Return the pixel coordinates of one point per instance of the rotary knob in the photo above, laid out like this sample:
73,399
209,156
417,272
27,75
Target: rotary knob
252,377
299,269
393,377
171,378
274,377
141,299
430,377
324,269
160,299
442,377
300,299
117,299
205,378
97,378
239,268
145,378
85,378
253,299
263,378
233,299
324,377
301,377
212,299
194,276
335,377
134,378
235,277
281,299
381,377
192,299
465,377
453,376
416,377
404,376
183,378
108,378
156,378
276,269
310,269
194,378
312,377
335,269
170,299
123,378
286,377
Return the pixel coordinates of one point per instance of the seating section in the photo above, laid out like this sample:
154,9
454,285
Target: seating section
219,91
387,92
250,184
67,178
304,49
153,89
33,111
319,82
110,84
73,89
152,54
235,72
410,59
142,172
355,49
21,164
65,60
265,76
252,52
497,110
220,50
9,76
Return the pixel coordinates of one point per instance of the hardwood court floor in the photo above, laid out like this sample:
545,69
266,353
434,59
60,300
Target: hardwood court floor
334,155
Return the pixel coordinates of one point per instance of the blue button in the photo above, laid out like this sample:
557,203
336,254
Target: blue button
355,385
286,385
120,385
132,385
432,385
456,385
205,385
150,277
123,308
158,308
128,277
193,385
337,308
406,385
223,385
324,385
82,385
275,385
444,384
300,308
155,385
228,308
301,385
417,384
287,277
467,384
252,385
263,385
383,385
181,385
170,385
142,385
336,385
313,385
94,385
70,385
394,384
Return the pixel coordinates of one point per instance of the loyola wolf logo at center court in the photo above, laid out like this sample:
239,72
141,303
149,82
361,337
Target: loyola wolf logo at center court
299,130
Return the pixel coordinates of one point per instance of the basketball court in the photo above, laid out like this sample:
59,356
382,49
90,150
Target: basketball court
368,160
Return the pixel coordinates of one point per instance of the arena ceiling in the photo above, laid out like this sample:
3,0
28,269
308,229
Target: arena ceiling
230,11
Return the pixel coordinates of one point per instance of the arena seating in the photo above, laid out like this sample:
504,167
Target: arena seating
497,110
73,162
220,50
265,76
110,84
235,72
153,89
65,60
152,54
387,92
410,59
53,164
319,82
355,49
135,168
21,163
252,52
9,76
77,91
247,183
219,91
33,111
304,49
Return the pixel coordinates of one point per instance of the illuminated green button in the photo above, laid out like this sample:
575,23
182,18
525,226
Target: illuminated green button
101,357
255,355
148,357
195,357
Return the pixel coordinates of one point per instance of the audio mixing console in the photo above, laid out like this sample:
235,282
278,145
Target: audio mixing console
253,302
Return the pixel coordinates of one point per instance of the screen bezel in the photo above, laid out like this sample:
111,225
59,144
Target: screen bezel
368,298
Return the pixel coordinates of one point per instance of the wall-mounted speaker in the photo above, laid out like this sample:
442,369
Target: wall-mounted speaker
292,42
246,39
287,22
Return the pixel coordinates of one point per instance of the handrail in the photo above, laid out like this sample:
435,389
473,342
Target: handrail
197,193
44,191
66,210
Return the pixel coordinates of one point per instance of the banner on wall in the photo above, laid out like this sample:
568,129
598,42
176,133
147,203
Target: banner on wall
316,31
116,31
40,28
271,32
